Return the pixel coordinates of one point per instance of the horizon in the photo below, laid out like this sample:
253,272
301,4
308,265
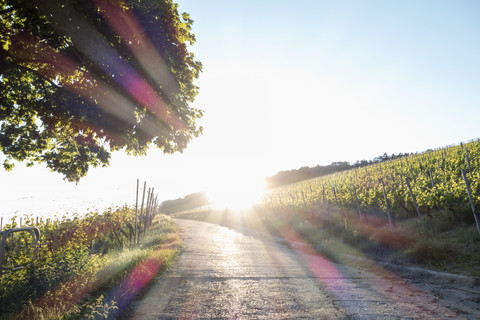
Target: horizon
224,196
286,85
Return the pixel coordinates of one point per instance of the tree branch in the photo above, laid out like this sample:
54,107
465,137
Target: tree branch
6,10
38,74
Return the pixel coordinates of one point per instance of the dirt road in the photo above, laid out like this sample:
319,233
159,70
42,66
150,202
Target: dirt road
227,274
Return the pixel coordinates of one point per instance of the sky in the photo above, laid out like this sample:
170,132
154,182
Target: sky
287,84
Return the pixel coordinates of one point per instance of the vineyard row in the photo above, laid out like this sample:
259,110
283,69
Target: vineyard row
446,179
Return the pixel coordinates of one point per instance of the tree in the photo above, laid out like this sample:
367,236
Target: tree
80,79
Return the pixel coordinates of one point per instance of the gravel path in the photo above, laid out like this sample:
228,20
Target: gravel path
226,274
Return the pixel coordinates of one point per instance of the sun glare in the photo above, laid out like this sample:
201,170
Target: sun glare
235,193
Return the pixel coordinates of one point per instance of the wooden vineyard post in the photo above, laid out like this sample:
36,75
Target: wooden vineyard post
413,197
152,202
147,211
150,199
358,205
155,208
141,210
390,219
468,161
136,218
150,214
150,208
403,185
416,205
336,205
467,185
431,178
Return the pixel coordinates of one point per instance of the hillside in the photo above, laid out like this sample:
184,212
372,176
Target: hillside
421,208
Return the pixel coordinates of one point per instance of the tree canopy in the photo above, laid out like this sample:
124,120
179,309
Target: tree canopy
80,79
191,201
282,178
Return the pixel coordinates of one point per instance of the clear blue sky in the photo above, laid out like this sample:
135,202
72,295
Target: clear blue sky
339,80
294,83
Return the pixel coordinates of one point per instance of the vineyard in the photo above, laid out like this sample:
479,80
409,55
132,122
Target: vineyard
77,260
445,179
419,203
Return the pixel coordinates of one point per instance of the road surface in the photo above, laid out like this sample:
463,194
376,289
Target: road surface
227,274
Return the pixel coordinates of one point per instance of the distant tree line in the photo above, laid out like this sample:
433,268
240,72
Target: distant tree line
304,173
188,202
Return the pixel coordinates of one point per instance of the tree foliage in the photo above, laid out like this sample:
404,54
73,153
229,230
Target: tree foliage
80,79
282,178
191,201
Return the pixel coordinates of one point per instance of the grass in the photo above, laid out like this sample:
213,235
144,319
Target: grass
109,281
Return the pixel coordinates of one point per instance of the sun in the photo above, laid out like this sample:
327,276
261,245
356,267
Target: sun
236,192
